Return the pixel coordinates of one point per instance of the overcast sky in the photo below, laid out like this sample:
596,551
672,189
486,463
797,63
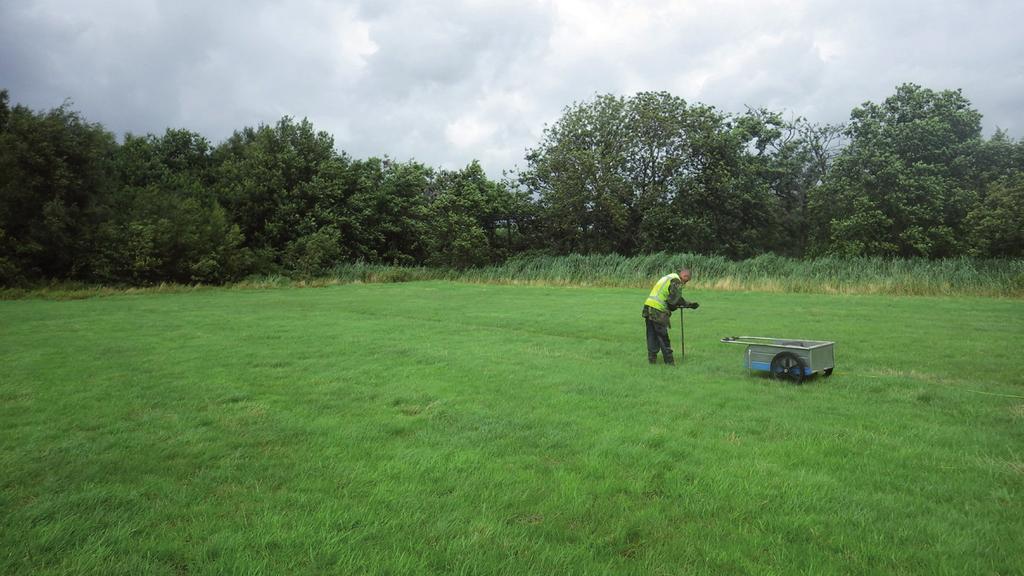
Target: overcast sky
444,82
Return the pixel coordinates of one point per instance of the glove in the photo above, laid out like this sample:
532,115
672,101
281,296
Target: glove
693,305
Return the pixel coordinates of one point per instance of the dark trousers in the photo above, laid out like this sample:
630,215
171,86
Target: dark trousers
657,339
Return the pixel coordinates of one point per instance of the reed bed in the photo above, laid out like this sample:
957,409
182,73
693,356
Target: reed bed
765,273
770,273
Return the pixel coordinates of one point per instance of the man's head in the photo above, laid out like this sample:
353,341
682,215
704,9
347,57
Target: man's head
684,275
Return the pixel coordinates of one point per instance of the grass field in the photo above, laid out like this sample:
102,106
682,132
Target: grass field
435,427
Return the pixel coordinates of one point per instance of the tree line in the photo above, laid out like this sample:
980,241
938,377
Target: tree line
912,176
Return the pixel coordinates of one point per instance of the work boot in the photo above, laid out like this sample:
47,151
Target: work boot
652,358
669,360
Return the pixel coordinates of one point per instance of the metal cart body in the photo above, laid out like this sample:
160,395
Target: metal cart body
814,356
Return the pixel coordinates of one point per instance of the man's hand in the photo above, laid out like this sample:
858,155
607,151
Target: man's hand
693,305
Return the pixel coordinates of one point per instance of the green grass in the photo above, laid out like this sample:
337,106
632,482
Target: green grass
435,427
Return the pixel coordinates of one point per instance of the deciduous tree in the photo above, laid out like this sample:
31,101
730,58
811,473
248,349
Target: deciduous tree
902,186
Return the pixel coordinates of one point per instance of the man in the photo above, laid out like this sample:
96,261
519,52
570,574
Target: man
666,296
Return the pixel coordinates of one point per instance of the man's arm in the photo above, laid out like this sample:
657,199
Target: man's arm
675,297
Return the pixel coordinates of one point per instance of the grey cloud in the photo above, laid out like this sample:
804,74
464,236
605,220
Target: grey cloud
448,81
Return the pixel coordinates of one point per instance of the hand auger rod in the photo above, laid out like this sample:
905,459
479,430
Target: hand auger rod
682,337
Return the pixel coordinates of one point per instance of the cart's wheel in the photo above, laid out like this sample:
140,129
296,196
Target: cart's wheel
828,372
787,365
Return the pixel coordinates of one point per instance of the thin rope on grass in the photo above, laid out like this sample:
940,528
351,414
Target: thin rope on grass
986,393
953,386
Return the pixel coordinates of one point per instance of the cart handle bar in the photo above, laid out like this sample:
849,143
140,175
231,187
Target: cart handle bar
761,341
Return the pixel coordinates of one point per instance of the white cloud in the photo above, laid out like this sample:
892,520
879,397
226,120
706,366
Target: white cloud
469,131
828,46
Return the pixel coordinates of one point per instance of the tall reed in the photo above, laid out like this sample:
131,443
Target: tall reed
897,276
766,273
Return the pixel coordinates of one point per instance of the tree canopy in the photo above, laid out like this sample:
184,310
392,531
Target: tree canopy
910,176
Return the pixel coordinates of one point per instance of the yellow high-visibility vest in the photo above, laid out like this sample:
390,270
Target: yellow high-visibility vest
658,298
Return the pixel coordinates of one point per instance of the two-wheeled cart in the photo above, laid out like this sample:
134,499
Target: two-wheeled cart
787,358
